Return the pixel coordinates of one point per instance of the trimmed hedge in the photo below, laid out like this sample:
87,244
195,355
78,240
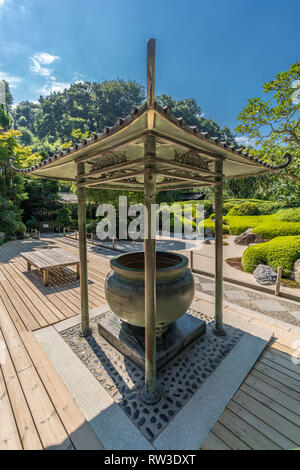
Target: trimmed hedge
274,229
281,251
209,224
239,224
245,208
268,226
288,215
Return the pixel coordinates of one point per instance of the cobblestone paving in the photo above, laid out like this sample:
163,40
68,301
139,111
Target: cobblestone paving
179,379
275,307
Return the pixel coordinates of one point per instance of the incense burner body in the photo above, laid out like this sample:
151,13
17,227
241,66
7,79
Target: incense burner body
125,287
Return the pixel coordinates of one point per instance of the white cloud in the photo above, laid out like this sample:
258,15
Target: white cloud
40,60
11,79
3,5
40,66
52,86
245,141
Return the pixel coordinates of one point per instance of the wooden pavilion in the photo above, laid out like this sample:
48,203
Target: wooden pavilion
150,151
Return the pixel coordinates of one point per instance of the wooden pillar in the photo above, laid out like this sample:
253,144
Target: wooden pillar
219,329
85,327
150,393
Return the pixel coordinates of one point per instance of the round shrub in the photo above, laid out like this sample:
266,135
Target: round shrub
288,215
63,217
209,224
245,208
227,206
91,227
281,251
266,208
253,256
212,216
31,223
20,228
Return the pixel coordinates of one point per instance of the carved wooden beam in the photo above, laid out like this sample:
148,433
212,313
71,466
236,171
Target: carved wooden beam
124,176
183,166
184,177
116,167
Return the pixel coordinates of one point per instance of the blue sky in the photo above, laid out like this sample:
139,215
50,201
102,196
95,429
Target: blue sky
219,53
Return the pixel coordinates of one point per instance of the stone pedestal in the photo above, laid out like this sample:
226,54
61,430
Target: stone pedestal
130,341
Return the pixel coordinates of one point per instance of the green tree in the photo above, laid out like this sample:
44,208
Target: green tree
26,111
86,106
63,218
12,191
274,123
191,112
42,199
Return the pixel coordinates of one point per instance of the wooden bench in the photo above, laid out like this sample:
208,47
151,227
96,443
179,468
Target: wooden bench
48,259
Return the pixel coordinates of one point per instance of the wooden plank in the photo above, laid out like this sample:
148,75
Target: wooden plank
28,434
212,442
280,368
30,296
49,426
289,392
17,293
13,302
5,305
15,346
232,441
46,305
286,364
269,423
247,433
9,436
81,435
70,300
272,404
274,393
277,352
277,375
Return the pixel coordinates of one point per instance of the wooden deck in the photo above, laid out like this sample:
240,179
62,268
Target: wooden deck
36,409
38,412
34,305
265,412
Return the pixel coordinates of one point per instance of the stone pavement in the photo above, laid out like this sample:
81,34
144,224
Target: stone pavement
276,307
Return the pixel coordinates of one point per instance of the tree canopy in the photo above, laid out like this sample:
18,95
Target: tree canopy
274,124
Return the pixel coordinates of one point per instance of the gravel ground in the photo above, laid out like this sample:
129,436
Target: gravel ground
275,307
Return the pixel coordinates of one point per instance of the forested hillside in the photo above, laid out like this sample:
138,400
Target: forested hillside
48,124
